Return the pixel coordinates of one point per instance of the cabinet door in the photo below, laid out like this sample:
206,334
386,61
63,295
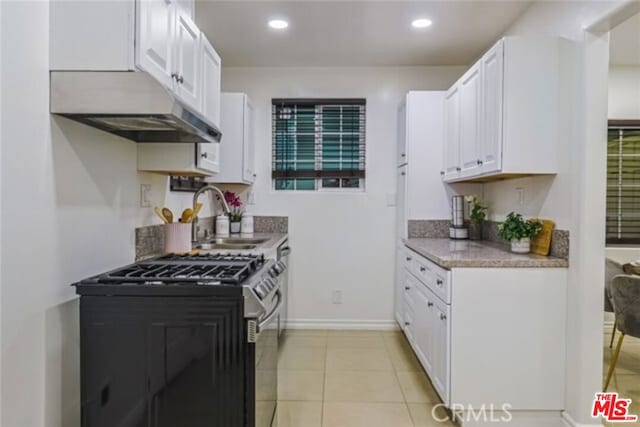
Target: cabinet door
154,35
210,68
401,148
248,148
208,157
451,167
187,60
399,287
470,126
441,355
401,202
424,328
492,83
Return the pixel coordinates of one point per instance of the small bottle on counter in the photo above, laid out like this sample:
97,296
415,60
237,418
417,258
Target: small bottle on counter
222,225
246,225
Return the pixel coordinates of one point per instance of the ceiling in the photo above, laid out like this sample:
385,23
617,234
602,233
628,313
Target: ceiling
625,42
354,33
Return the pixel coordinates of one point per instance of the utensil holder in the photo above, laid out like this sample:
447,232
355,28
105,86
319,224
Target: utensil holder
177,238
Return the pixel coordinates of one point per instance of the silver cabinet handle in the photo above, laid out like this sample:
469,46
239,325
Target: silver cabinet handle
429,304
443,316
174,76
439,282
204,155
408,258
406,288
442,173
423,269
407,323
180,79
403,173
458,169
403,155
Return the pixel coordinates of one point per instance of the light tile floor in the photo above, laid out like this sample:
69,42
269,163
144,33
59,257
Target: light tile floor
352,379
626,377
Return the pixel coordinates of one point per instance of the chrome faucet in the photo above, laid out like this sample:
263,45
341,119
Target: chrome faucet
225,207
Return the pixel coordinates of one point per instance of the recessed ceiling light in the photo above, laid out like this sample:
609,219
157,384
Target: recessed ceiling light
421,23
278,24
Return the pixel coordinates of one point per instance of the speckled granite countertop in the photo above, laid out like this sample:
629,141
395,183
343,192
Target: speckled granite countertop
471,254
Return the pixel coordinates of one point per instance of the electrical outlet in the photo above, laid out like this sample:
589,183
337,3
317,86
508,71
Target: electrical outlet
251,197
520,195
145,195
336,297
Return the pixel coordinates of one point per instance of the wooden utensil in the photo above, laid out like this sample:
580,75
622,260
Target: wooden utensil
196,211
158,212
187,215
541,244
168,214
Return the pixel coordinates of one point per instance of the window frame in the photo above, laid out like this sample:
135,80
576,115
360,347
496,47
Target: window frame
319,105
619,125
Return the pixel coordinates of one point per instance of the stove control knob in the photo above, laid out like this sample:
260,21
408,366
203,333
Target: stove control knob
269,283
260,291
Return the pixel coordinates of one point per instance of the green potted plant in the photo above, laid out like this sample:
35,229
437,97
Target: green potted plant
236,212
477,215
518,231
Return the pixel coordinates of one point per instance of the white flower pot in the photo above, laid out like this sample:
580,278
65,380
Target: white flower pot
235,227
521,246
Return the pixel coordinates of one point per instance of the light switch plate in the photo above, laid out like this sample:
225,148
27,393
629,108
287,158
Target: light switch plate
145,195
391,199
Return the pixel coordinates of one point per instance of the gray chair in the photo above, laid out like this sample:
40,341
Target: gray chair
625,292
611,269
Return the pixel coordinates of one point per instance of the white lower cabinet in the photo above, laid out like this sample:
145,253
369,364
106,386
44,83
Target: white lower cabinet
486,335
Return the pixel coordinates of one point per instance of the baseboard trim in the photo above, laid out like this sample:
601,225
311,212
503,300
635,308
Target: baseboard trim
385,325
570,422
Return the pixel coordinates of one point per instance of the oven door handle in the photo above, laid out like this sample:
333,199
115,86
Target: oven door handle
273,313
285,251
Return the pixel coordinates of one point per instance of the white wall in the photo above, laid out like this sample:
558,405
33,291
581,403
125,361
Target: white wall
70,203
340,241
575,197
624,92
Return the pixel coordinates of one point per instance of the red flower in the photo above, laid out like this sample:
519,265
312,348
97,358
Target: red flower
232,199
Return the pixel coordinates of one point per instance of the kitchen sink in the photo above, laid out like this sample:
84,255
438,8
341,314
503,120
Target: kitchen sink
238,240
213,246
237,243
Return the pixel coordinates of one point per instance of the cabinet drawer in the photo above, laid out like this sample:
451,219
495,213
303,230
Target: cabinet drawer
423,269
434,277
442,283
407,258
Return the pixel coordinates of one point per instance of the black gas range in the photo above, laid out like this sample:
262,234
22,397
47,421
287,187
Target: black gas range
181,340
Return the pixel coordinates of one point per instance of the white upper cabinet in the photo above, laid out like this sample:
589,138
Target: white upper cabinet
248,151
491,144
210,73
403,142
154,35
470,126
187,60
237,150
501,116
451,167
158,37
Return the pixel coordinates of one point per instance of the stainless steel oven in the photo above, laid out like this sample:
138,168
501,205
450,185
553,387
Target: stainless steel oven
266,361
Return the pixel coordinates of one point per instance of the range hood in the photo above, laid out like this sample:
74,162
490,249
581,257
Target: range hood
129,104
